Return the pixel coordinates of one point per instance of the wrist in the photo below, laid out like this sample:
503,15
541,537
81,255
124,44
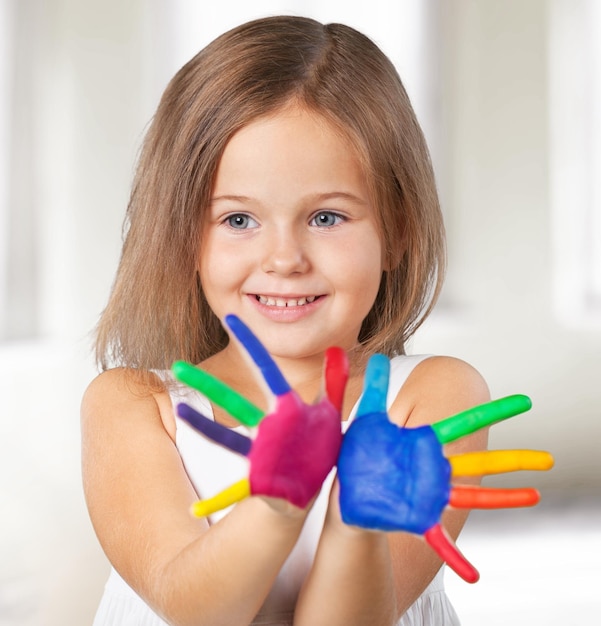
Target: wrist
284,510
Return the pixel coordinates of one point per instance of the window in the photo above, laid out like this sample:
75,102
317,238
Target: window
17,178
575,130
406,31
5,79
62,129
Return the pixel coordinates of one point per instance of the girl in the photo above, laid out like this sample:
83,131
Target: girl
284,179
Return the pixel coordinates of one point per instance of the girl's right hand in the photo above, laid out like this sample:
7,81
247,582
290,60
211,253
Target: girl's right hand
394,478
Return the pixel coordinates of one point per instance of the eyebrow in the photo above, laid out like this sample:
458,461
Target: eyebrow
314,197
230,197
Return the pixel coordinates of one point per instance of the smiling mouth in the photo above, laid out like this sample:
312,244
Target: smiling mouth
285,302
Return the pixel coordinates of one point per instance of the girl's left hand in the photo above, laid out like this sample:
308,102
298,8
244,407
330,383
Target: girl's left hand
296,444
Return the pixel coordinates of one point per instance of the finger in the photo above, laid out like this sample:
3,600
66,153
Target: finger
443,545
472,497
225,437
257,352
218,392
236,492
480,416
375,387
336,370
499,461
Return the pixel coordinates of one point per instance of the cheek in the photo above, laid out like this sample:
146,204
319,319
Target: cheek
217,263
366,257
360,269
214,271
371,285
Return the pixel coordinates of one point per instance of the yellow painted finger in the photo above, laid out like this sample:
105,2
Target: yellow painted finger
236,492
499,461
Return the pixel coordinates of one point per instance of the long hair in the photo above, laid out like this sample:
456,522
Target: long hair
157,312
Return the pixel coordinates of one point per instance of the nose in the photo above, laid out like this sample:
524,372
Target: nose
284,252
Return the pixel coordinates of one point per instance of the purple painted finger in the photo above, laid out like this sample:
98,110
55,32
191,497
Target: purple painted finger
226,437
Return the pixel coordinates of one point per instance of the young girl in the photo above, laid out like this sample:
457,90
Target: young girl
284,179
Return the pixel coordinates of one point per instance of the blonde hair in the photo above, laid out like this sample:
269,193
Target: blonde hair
156,312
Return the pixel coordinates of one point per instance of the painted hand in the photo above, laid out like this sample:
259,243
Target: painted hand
398,479
295,445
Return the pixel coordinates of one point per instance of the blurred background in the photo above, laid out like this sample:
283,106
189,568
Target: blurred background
509,95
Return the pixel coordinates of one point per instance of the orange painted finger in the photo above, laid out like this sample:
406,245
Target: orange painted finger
470,497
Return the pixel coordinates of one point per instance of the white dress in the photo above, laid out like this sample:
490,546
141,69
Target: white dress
121,606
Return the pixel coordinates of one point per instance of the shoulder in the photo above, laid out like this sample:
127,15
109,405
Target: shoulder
121,392
438,387
450,375
121,385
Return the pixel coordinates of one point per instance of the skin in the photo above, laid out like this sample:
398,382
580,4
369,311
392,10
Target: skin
290,219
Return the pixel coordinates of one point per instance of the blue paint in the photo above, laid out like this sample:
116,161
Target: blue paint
269,370
392,478
375,387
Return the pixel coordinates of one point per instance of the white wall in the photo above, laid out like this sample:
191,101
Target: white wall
499,310
104,66
92,92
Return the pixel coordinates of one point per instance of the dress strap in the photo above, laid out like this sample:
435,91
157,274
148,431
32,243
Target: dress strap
400,369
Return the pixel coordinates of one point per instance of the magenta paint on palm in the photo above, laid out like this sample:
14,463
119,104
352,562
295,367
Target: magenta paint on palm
295,449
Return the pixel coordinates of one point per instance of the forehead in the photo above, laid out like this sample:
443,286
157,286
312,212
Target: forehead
295,146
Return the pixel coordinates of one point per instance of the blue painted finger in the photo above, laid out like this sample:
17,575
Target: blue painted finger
269,370
375,388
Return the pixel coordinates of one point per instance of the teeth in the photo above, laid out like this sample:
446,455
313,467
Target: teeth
281,302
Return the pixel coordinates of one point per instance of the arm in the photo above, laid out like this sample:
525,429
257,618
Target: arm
139,497
439,387
365,577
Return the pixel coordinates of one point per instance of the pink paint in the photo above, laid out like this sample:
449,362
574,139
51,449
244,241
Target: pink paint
296,447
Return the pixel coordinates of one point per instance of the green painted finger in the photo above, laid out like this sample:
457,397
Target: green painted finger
479,417
218,392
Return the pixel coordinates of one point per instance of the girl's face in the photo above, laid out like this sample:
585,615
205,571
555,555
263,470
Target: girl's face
291,242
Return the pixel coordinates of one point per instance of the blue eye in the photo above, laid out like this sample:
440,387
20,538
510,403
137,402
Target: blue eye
240,221
326,219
